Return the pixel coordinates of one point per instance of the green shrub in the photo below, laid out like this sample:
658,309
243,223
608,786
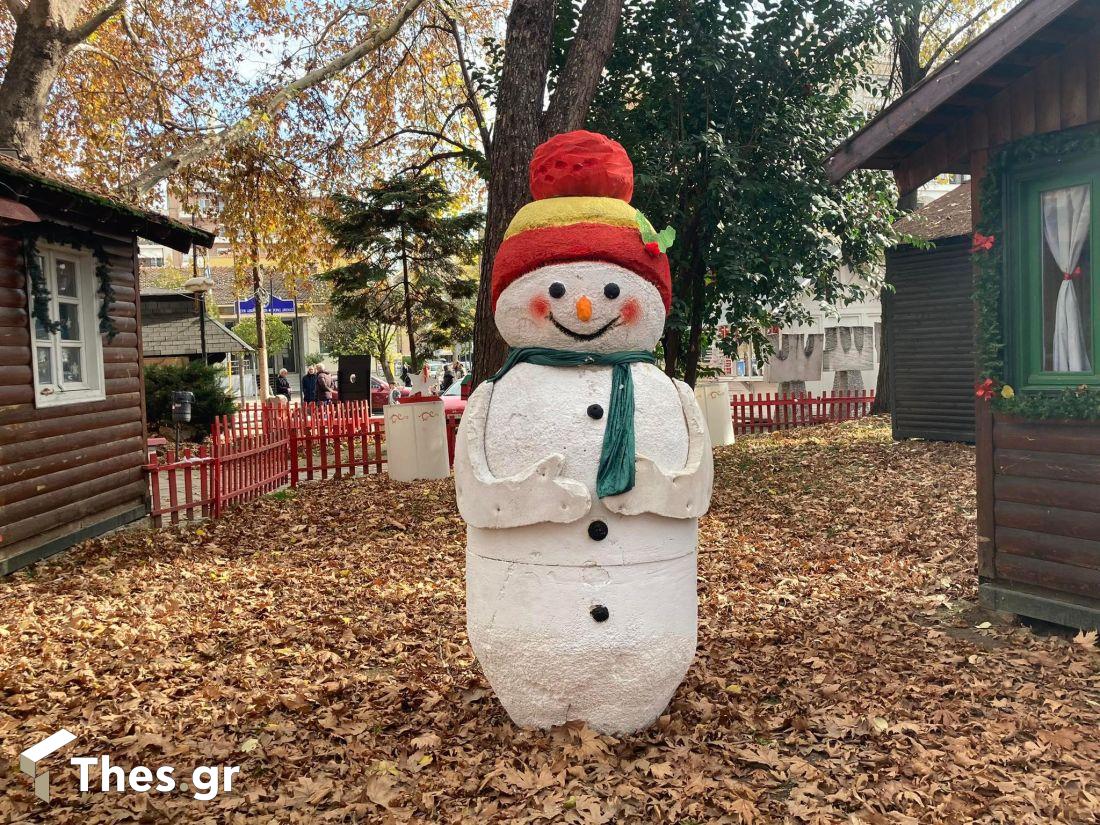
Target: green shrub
211,398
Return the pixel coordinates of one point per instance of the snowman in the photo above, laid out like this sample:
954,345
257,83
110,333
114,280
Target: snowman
582,469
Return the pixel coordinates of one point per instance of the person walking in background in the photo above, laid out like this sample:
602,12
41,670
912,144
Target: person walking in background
282,385
406,379
309,385
448,378
324,385
458,370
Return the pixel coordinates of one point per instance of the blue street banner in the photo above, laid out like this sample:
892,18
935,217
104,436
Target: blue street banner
274,306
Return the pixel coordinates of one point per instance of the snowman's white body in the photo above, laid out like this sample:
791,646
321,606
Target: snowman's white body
527,456
530,589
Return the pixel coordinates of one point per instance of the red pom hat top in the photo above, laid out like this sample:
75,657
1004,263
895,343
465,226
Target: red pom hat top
580,164
582,183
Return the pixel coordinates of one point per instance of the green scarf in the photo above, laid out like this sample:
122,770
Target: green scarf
616,473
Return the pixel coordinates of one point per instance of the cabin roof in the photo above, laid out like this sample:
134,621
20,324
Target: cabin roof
948,216
182,335
1006,51
51,193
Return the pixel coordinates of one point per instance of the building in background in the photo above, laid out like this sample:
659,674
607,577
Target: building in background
297,301
171,331
837,351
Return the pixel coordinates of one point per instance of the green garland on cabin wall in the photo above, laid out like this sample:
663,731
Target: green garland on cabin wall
40,292
1074,403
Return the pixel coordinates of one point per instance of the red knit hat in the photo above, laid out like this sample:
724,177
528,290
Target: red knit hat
582,183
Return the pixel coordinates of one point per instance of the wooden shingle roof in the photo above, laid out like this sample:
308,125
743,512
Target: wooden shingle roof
948,216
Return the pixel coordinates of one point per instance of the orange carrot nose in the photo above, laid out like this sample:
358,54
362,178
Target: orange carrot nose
584,308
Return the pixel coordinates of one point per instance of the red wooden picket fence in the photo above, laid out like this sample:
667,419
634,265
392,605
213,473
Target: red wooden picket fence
334,440
768,412
260,449
172,485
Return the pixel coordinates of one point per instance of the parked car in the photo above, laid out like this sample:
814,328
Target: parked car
454,401
380,393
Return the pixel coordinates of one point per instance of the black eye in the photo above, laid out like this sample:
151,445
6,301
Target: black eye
557,289
611,290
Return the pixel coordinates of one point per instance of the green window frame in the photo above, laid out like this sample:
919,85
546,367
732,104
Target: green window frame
1032,277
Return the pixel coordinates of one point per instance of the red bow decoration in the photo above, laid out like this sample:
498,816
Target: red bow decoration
986,389
1072,276
982,243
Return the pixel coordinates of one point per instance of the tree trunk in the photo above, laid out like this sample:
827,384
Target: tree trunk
515,136
46,32
695,331
37,55
264,387
910,72
884,399
408,304
672,344
697,304
521,125
383,359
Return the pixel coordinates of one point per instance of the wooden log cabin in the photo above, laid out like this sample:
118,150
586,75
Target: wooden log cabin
1019,111
72,412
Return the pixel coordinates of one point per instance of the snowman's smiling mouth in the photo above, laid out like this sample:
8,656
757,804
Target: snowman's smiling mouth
591,336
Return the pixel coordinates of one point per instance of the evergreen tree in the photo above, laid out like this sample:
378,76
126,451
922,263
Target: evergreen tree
728,111
411,249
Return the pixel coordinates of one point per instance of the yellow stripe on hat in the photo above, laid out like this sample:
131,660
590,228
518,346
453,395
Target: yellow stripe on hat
566,211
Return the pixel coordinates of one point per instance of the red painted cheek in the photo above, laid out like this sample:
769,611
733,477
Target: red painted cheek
631,311
539,308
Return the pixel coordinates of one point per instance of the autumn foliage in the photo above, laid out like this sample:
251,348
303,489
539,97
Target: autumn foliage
843,673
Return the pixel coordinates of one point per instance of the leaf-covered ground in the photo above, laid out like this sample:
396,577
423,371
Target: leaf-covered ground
317,641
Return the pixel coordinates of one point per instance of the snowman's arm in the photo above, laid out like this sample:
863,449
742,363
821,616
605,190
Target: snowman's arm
532,496
681,493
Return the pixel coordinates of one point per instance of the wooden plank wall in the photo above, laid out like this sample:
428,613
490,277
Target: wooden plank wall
65,468
1062,91
1047,506
931,341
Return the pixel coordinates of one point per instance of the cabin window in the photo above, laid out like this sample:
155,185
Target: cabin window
68,362
1053,258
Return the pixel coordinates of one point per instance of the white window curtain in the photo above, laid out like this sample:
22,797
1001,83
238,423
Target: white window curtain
1066,219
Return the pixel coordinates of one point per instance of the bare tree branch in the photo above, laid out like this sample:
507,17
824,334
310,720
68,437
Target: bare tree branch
970,21
272,105
438,157
471,92
589,51
16,7
412,130
89,26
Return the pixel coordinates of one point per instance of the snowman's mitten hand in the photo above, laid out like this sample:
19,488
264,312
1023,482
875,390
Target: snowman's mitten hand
532,496
681,494
562,499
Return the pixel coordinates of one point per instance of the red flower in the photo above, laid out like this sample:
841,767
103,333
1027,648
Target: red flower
982,243
986,389
653,248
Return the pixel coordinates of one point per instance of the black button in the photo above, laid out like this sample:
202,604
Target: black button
600,613
595,411
597,531
557,289
611,291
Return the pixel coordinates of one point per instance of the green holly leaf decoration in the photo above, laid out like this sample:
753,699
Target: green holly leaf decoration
664,239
